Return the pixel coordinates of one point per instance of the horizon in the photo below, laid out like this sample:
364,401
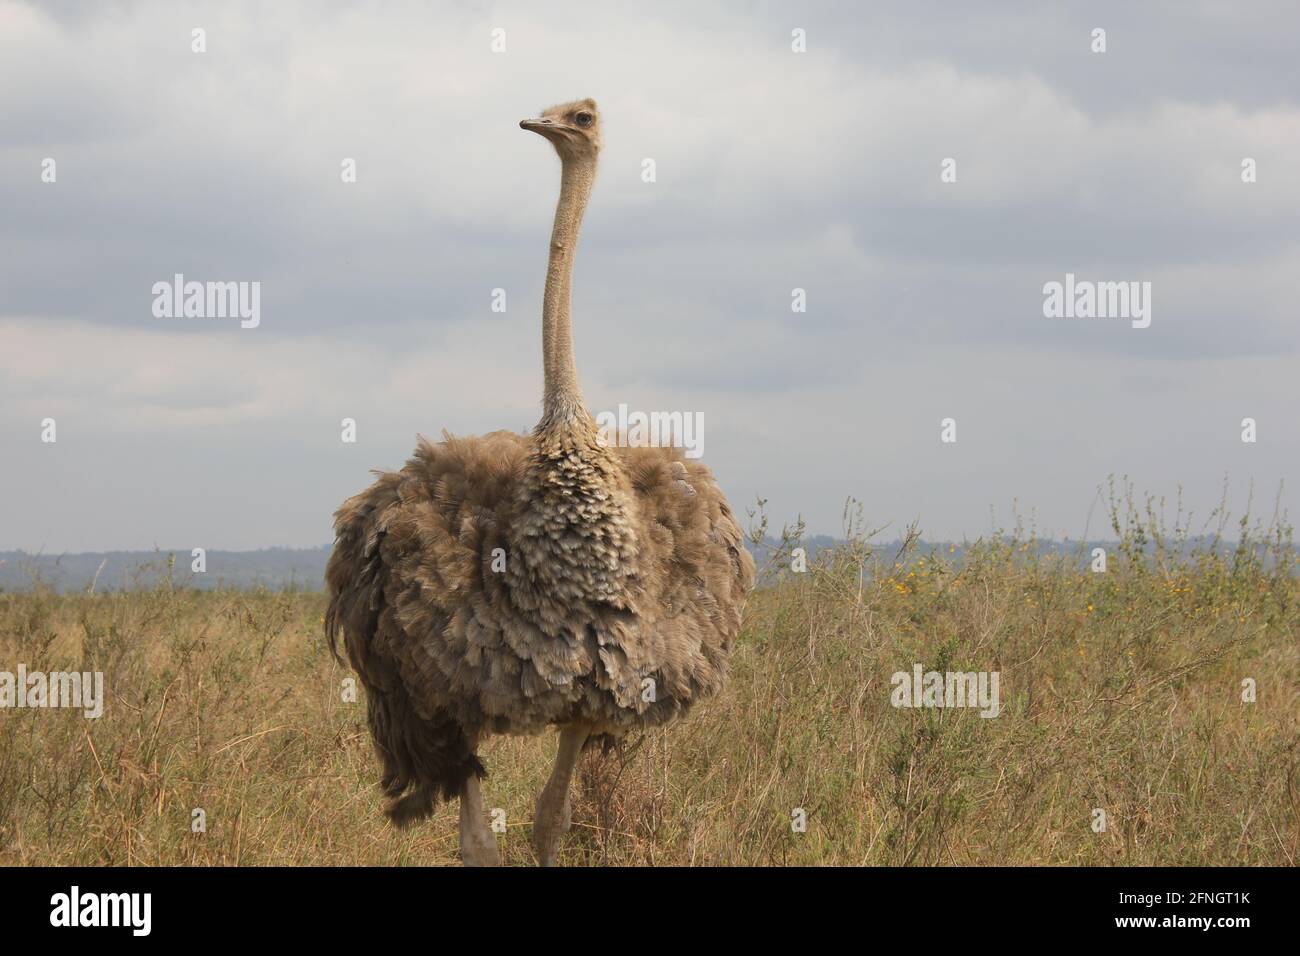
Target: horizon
302,568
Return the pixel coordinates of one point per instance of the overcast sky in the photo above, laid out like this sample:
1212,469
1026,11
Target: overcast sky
775,170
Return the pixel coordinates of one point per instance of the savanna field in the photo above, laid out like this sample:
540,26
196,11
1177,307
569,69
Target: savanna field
1119,690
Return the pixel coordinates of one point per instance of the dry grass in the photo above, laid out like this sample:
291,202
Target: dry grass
1119,690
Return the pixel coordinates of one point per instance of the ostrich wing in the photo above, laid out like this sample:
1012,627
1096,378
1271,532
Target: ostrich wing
697,574
426,615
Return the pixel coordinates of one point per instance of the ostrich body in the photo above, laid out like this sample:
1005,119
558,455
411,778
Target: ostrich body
621,592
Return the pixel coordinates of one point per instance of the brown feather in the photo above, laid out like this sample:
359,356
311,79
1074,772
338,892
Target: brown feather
622,565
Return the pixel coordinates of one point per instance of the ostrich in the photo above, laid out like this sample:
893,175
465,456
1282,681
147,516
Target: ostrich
510,583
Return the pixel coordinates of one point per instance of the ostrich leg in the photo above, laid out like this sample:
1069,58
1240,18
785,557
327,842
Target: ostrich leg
553,809
478,847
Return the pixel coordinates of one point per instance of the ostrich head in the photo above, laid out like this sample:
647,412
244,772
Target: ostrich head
573,129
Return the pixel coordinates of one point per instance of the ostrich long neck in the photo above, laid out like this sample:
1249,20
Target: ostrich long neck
572,531
562,401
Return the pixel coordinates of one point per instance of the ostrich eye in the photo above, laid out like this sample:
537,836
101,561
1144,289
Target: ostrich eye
584,118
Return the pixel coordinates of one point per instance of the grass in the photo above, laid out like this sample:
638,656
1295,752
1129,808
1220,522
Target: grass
1120,691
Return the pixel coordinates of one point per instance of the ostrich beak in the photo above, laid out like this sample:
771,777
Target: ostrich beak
547,128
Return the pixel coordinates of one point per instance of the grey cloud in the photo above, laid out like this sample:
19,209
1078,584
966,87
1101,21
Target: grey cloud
775,171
